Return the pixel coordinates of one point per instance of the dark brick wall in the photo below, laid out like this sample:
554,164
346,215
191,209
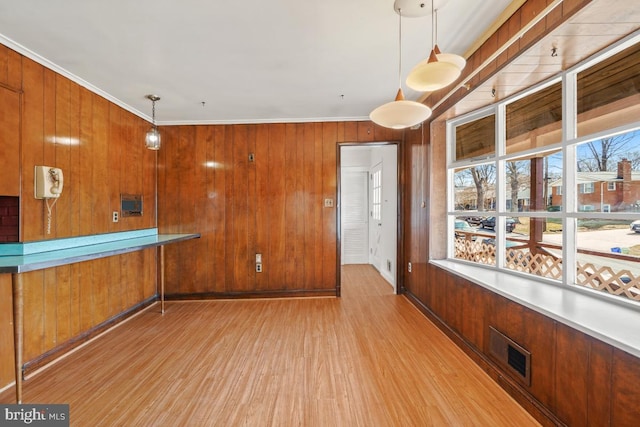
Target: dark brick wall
9,223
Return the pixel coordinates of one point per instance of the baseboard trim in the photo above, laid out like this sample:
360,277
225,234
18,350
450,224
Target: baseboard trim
252,294
60,350
540,412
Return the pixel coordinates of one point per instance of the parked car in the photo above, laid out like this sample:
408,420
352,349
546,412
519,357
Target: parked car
473,220
492,242
635,226
490,223
462,227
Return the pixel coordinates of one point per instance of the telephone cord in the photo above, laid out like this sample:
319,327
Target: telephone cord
49,213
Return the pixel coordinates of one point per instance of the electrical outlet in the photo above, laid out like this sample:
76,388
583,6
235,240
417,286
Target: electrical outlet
328,203
409,267
259,268
116,216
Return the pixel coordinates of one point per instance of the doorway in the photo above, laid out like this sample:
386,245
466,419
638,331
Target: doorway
368,208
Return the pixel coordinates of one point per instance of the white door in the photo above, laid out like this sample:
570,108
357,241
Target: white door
354,218
375,214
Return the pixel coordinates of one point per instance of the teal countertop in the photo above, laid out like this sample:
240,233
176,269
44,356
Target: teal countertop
57,252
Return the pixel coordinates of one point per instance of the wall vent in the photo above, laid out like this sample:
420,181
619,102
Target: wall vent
511,356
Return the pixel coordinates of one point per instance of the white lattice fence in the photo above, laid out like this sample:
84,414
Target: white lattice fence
540,264
604,278
476,251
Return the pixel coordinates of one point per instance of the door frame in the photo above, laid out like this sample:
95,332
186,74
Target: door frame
400,202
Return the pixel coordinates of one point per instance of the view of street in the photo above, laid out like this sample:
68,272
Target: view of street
603,240
600,240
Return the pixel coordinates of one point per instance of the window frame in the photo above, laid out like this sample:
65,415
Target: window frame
570,213
376,195
586,188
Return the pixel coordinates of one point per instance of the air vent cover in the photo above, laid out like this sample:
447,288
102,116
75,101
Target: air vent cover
511,356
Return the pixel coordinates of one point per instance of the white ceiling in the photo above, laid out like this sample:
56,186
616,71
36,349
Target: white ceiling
250,61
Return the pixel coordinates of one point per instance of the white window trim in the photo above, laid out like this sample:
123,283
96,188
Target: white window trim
555,299
583,187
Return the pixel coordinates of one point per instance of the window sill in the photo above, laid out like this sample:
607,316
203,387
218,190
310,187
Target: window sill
609,321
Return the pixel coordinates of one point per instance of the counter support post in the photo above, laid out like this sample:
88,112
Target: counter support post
162,278
18,330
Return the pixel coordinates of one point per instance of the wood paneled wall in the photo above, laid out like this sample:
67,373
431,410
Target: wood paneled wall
576,380
10,106
273,206
100,148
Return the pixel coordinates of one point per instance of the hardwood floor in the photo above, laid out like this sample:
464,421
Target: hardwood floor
368,358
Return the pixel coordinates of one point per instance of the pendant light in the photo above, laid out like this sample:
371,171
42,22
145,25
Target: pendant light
452,58
400,114
152,138
433,73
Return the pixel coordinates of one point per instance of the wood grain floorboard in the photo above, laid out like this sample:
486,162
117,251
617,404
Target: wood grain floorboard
368,358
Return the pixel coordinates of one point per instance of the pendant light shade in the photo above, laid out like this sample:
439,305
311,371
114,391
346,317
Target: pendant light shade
451,58
432,74
152,138
400,113
437,71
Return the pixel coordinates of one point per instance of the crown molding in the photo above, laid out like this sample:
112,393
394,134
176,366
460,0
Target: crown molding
66,73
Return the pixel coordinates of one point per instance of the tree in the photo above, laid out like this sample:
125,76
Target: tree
483,177
634,158
516,172
604,154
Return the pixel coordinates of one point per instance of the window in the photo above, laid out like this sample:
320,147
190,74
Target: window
552,197
376,195
474,187
535,121
476,139
586,188
608,92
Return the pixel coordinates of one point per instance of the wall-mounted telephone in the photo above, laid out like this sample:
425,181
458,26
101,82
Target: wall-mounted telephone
48,182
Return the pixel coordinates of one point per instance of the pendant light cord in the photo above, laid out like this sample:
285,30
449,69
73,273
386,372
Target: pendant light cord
153,112
400,48
434,23
435,26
